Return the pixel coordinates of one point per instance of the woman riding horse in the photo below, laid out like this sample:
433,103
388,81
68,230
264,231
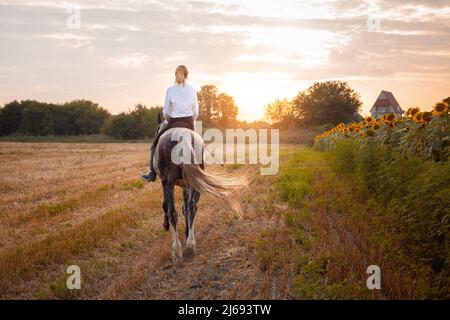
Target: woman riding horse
180,110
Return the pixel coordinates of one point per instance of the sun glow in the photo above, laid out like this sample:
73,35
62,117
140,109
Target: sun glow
252,91
287,50
303,48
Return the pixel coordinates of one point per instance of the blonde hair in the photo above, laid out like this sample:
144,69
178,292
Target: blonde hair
181,74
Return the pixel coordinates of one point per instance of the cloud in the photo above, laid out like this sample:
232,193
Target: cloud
133,46
134,60
69,39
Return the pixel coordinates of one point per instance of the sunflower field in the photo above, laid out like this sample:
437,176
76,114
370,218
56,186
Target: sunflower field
417,133
402,165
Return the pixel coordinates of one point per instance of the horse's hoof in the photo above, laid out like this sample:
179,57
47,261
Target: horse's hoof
189,253
177,255
177,261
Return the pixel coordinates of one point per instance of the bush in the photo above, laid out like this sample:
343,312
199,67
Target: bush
139,123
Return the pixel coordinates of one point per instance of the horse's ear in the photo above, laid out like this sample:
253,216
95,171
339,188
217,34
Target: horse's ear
160,118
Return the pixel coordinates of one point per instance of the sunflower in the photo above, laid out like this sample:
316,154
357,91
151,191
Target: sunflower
390,117
376,126
370,133
392,124
418,116
440,108
413,111
369,119
426,116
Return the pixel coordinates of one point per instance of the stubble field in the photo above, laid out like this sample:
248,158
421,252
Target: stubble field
83,204
308,232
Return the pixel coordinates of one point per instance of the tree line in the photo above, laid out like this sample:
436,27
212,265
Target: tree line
35,118
323,103
84,117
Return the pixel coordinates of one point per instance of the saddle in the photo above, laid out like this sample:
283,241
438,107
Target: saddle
179,124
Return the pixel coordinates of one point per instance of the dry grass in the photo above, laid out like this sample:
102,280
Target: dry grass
62,199
301,234
83,204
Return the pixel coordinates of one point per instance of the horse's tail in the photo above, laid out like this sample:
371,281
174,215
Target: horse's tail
220,187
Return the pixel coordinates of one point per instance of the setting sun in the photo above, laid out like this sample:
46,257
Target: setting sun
262,82
253,91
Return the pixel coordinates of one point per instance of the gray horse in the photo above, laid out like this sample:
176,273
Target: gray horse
179,161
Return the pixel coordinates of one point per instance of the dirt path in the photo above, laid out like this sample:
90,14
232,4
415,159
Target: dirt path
226,265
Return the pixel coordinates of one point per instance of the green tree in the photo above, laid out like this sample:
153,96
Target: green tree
141,122
10,118
124,126
226,111
207,99
56,121
88,116
78,117
146,119
280,112
33,115
216,109
329,102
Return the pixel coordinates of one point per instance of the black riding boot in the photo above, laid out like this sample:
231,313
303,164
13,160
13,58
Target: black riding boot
152,174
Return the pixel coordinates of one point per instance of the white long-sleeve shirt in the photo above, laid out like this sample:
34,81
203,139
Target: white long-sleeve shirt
181,101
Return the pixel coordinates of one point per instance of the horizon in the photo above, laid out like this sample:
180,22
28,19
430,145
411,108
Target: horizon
125,53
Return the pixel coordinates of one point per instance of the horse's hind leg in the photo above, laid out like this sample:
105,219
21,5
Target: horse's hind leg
186,210
189,250
173,218
166,215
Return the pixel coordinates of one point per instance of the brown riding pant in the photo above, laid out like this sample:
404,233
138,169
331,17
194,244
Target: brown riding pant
184,122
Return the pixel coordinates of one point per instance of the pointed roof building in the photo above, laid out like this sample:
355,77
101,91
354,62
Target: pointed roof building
386,103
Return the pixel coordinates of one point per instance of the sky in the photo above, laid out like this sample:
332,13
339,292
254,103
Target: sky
120,53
